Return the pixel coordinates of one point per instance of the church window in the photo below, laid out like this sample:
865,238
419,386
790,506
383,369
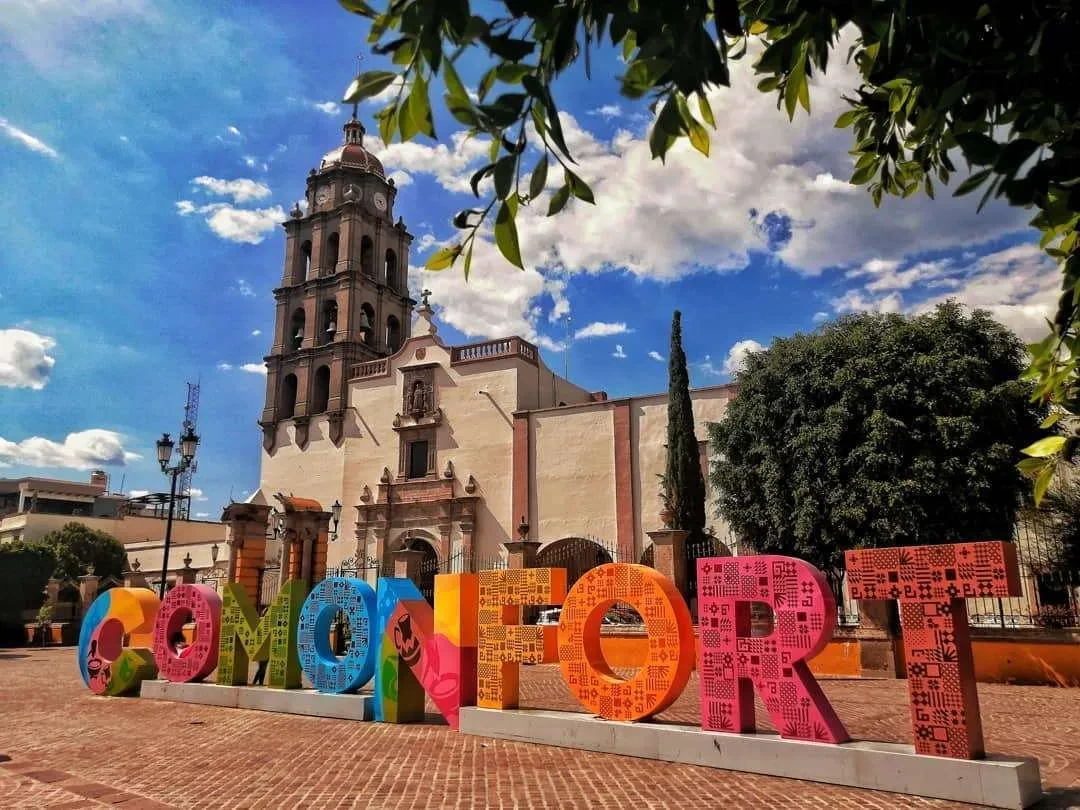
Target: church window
296,329
367,324
367,257
393,334
321,392
418,459
305,261
287,404
391,270
329,322
331,252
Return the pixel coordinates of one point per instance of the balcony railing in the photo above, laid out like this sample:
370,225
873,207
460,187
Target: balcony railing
492,349
372,368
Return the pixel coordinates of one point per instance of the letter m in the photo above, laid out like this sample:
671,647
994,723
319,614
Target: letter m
245,637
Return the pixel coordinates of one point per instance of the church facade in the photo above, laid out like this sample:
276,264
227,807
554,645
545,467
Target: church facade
452,450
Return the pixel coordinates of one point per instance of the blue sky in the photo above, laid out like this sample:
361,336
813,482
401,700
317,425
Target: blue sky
149,149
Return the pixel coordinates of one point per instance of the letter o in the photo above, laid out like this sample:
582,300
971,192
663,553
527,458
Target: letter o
327,672
203,605
671,642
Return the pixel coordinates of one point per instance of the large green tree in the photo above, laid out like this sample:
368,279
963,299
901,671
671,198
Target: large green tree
25,568
76,546
988,82
876,430
683,481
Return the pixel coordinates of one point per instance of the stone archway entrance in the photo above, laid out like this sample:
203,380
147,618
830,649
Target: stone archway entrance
423,567
576,554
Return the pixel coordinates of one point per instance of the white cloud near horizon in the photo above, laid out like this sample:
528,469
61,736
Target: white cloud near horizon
247,225
26,139
82,450
601,329
736,356
25,359
241,189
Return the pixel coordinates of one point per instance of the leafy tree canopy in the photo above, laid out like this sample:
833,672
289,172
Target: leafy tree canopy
24,570
76,546
876,430
990,84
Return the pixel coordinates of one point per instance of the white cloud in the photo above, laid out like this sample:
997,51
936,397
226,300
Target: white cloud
736,356
426,241
233,131
857,301
450,165
601,329
138,493
560,304
248,225
400,178
328,107
25,361
223,366
83,450
27,140
197,494
656,356
608,111
242,189
202,514
256,332
821,317
619,353
254,368
828,184
244,288
887,275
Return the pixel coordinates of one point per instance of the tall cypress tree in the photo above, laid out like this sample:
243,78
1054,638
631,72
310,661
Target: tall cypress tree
686,485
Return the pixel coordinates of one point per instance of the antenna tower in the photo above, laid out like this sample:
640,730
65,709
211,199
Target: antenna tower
191,418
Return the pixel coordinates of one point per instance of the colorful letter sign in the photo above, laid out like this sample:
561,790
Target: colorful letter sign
503,642
733,664
931,583
107,667
244,635
671,642
184,603
356,599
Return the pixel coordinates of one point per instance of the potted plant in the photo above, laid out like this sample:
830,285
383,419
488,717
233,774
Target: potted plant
667,501
44,623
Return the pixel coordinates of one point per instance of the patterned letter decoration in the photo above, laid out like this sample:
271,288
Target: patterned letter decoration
503,642
931,583
328,673
184,603
244,635
107,666
671,642
733,664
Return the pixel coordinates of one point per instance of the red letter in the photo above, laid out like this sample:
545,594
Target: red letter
183,603
733,664
931,583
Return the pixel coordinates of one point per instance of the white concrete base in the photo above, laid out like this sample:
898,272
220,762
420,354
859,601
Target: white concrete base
996,781
290,701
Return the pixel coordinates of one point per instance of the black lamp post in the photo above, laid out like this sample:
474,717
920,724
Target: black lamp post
188,444
335,512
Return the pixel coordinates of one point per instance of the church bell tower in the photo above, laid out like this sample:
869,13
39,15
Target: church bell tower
344,294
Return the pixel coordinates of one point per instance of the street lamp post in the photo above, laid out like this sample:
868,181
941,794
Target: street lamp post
188,444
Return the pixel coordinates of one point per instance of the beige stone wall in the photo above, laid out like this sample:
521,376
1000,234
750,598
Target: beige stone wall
129,529
573,473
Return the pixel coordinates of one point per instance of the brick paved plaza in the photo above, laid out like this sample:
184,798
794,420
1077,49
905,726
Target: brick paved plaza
66,748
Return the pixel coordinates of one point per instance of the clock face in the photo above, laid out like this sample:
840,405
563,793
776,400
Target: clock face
322,195
380,200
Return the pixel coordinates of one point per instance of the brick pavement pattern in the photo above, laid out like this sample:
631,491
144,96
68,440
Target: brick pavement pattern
63,747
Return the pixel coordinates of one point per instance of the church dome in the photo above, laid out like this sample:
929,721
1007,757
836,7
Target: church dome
352,153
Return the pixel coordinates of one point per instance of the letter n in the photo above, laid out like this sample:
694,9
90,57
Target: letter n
931,584
733,664
503,642
245,636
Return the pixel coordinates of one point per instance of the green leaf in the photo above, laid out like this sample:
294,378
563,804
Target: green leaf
442,258
846,119
454,88
699,137
559,200
1031,467
506,237
972,183
367,85
358,7
1042,483
579,188
387,119
1014,154
468,259
1044,447
512,72
864,174
504,175
795,87
487,81
978,148
758,27
538,180
706,110
767,85
417,114
1051,420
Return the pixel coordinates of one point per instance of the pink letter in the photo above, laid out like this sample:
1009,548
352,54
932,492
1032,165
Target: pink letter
732,664
182,604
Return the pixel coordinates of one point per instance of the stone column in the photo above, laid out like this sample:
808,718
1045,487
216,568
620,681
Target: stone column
407,564
245,535
308,533
669,556
522,553
52,591
134,578
88,588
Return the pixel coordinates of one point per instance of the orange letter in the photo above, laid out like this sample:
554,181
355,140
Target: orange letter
503,641
671,642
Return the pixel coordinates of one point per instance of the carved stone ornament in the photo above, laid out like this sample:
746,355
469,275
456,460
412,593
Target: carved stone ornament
336,426
421,353
303,424
385,477
365,496
269,430
449,471
470,485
